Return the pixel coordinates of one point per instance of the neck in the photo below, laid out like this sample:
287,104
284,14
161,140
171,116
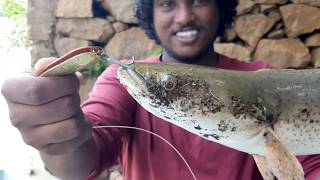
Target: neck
209,59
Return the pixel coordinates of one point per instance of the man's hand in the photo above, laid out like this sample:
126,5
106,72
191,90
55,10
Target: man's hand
47,112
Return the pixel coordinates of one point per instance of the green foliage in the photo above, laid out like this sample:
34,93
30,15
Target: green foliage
95,70
156,53
248,59
19,36
16,10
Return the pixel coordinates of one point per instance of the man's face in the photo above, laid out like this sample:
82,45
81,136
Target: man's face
186,28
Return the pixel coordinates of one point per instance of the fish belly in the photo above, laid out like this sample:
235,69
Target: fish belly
242,134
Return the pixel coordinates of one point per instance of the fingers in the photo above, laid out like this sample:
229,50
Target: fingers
80,77
26,89
42,64
46,110
59,137
22,115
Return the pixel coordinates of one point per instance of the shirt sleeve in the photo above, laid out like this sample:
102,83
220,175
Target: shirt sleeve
108,104
311,166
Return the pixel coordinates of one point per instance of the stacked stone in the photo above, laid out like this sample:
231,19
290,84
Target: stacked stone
65,25
283,33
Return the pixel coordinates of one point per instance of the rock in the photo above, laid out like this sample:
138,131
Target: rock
233,51
277,34
40,50
300,19
279,26
251,28
74,8
308,2
95,29
122,10
315,56
245,6
266,8
255,10
283,53
119,26
41,21
275,15
271,1
41,14
64,45
313,40
230,34
131,43
111,19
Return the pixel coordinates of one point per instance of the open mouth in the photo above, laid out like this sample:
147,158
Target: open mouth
187,36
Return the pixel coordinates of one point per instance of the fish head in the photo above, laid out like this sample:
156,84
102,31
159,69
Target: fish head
170,91
151,84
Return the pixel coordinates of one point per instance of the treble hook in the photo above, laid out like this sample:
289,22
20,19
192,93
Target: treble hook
107,59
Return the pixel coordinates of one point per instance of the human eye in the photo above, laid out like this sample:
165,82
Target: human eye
166,4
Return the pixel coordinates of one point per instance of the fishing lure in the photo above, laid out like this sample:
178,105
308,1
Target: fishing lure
77,60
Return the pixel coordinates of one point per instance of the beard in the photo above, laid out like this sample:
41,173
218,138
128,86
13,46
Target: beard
206,52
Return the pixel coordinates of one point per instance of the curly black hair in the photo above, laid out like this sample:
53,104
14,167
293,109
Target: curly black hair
145,16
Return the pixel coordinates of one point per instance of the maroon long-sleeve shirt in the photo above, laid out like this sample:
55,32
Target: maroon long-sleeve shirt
143,156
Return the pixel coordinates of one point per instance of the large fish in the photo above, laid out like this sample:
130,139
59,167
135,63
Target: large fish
246,111
272,114
232,108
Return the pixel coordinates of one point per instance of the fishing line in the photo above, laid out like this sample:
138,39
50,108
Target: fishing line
166,141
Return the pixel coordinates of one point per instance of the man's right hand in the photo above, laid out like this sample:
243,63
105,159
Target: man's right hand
47,112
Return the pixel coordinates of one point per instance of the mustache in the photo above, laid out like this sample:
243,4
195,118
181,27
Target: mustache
186,28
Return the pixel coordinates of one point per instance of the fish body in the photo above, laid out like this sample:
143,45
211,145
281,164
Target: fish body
232,108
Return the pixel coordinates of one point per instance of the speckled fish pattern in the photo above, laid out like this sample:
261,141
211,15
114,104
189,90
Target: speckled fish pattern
232,108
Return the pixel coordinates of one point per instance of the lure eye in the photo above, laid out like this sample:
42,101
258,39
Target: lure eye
169,82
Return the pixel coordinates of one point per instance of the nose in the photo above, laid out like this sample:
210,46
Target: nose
184,15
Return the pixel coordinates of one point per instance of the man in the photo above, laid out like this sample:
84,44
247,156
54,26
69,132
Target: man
47,110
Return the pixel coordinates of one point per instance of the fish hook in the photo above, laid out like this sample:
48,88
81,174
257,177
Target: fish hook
108,60
128,66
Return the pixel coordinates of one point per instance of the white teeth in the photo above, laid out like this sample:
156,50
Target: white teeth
187,33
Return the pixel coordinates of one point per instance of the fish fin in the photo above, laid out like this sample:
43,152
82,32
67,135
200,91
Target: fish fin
282,163
263,167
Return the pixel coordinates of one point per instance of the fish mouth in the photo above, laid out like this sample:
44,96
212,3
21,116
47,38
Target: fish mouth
133,81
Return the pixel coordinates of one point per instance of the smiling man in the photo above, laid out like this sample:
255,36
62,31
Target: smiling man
187,29
48,114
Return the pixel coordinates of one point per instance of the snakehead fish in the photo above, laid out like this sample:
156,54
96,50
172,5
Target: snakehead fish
232,108
271,114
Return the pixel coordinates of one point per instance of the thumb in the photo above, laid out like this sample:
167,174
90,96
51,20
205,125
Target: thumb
81,78
41,64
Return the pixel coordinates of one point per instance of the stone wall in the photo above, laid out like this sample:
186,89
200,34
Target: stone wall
284,33
59,26
280,32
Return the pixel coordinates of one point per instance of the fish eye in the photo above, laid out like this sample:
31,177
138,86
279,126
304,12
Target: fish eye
168,82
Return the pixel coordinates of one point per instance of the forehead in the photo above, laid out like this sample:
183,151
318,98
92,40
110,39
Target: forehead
184,1
187,2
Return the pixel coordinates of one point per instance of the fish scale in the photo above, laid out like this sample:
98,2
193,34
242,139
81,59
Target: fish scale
233,108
